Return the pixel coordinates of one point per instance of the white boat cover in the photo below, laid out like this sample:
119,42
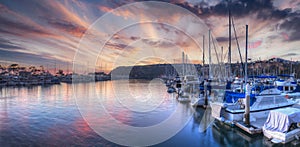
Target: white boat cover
281,119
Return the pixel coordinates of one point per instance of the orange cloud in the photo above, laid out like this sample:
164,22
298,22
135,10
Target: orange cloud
104,8
68,14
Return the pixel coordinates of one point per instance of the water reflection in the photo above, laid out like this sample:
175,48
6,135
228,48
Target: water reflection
35,116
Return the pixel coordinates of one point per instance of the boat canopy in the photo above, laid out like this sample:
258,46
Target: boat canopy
280,120
285,75
263,77
232,97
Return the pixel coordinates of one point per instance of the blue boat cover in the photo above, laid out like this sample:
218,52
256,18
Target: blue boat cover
263,77
285,75
232,97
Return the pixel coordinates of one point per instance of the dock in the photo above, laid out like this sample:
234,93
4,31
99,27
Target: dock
254,128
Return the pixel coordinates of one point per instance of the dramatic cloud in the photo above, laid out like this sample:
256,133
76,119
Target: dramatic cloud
117,46
290,55
21,57
159,43
6,44
68,27
43,32
292,26
263,9
8,26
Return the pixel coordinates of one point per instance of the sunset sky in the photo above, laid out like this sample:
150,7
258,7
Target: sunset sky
48,32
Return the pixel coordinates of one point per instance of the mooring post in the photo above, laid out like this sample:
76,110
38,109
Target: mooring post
247,88
247,105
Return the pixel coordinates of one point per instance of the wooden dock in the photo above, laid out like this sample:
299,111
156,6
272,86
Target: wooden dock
254,128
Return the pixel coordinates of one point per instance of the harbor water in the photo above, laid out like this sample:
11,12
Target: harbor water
49,116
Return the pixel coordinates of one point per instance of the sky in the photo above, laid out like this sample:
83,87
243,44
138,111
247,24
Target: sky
104,34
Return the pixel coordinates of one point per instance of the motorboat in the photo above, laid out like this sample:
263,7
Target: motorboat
260,106
282,125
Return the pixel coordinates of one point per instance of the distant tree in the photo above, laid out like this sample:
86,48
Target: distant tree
42,68
32,68
14,66
60,72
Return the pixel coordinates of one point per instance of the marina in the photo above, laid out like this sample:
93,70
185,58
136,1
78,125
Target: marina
50,113
40,103
246,105
150,73
15,75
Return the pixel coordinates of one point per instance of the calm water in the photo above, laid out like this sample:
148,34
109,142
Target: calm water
39,116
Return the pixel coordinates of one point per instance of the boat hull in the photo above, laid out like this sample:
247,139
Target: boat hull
282,137
220,112
254,114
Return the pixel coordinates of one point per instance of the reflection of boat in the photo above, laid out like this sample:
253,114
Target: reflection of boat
187,88
190,84
190,80
183,98
171,90
233,136
282,125
3,83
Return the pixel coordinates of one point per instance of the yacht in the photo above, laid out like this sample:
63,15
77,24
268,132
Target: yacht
260,106
286,85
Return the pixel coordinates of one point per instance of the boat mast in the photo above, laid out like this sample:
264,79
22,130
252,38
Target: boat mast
222,55
182,63
55,67
186,65
209,52
291,66
203,51
246,56
237,44
229,44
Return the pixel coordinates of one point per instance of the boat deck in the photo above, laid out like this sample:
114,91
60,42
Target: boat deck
297,106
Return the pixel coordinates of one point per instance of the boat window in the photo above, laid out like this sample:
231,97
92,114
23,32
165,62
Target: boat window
286,88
